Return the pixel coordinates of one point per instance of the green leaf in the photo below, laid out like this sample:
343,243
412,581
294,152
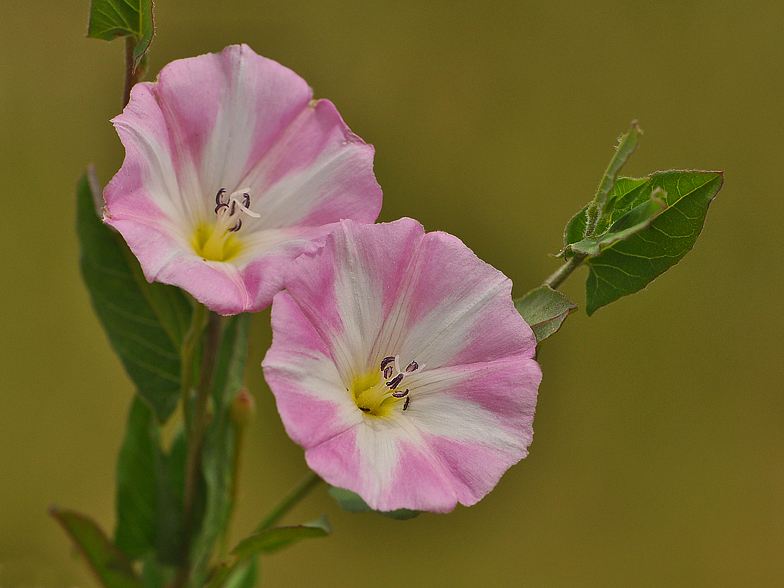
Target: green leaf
545,310
626,266
149,490
110,565
353,503
275,539
219,458
144,322
110,19
267,541
244,575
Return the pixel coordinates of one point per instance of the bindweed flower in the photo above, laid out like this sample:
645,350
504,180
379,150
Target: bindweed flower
232,171
400,364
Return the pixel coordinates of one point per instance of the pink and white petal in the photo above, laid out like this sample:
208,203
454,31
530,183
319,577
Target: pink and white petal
317,172
219,286
420,481
493,401
269,257
146,188
348,287
224,110
312,400
478,419
456,308
387,466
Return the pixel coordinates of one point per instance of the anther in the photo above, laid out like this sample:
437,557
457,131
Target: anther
395,381
412,367
386,361
219,197
233,207
363,409
220,205
388,372
400,394
406,403
236,226
246,200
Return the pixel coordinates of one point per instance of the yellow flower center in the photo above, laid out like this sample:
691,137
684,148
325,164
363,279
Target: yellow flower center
214,243
217,241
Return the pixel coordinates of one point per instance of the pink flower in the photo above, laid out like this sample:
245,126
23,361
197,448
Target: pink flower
232,171
399,363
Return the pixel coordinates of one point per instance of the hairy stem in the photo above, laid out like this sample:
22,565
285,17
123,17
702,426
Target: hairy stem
289,501
559,276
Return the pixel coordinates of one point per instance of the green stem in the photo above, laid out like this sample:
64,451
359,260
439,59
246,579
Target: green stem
563,272
130,78
187,353
134,72
198,426
289,501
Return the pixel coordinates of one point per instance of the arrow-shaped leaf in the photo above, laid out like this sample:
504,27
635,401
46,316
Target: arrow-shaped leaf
626,266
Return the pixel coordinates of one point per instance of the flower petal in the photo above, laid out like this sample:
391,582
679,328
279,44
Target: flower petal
456,309
348,287
313,402
316,173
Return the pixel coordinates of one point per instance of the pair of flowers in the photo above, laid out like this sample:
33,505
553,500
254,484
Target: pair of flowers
398,361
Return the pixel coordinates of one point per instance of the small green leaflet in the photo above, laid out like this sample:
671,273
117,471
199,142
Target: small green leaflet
353,503
545,310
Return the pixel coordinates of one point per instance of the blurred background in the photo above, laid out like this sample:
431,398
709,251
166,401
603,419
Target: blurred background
658,458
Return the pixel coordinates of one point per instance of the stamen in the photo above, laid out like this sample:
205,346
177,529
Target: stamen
236,226
219,197
406,403
386,361
388,372
393,383
400,394
412,367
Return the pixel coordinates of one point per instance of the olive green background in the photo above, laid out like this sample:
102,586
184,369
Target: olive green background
658,458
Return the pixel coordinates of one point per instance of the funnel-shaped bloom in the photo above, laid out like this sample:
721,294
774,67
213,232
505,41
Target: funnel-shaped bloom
231,171
399,363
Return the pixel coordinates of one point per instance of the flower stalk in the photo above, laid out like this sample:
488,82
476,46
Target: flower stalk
559,276
300,491
197,428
